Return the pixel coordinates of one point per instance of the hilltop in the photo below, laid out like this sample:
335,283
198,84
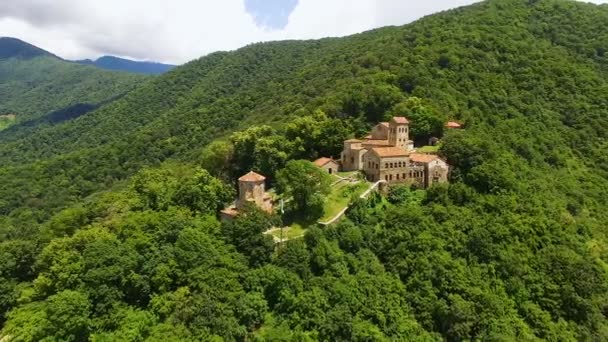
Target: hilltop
35,83
121,222
121,64
15,48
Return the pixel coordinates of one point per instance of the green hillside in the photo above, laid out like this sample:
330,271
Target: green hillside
34,83
119,221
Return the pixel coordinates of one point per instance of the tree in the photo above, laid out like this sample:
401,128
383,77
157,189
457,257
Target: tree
203,193
216,158
305,185
245,232
425,121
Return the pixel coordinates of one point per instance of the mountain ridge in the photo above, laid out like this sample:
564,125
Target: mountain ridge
16,48
122,64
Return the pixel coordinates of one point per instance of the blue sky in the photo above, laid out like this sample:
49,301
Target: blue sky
176,31
271,14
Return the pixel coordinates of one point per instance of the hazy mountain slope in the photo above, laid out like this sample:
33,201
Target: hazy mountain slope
34,82
15,48
121,64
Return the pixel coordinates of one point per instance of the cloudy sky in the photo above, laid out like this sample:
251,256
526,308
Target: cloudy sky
176,31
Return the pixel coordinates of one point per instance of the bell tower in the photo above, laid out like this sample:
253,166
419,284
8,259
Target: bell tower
399,132
251,190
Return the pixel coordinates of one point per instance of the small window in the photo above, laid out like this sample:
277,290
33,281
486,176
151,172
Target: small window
390,177
386,177
386,166
397,176
404,176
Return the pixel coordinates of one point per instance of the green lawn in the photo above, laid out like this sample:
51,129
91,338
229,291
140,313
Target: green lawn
428,149
340,197
296,230
5,122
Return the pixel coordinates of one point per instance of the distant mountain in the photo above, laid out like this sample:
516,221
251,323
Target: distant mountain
15,48
121,64
35,83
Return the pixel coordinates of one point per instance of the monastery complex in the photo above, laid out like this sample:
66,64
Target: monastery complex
389,154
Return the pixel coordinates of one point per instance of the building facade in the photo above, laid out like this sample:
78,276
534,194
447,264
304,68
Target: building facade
388,154
252,190
328,164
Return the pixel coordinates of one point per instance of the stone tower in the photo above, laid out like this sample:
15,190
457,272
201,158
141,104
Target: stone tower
398,134
252,190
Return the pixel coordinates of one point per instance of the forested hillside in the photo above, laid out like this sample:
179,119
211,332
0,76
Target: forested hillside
34,83
110,229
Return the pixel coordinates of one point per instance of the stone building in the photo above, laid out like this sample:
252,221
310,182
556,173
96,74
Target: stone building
251,190
328,164
388,154
428,169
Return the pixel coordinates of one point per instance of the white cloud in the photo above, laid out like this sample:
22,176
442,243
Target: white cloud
179,30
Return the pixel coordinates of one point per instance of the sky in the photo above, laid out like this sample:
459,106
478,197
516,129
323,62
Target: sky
176,31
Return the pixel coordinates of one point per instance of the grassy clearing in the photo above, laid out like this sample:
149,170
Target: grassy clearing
428,149
295,230
5,122
340,196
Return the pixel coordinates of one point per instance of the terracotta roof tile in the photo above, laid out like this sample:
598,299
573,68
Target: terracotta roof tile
390,152
372,142
453,124
384,124
423,158
323,161
400,120
233,212
252,177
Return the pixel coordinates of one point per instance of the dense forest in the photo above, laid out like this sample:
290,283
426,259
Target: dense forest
109,228
34,83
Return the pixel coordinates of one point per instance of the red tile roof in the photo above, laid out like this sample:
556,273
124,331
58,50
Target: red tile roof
231,211
252,177
323,161
453,124
400,120
384,124
423,157
373,142
390,152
